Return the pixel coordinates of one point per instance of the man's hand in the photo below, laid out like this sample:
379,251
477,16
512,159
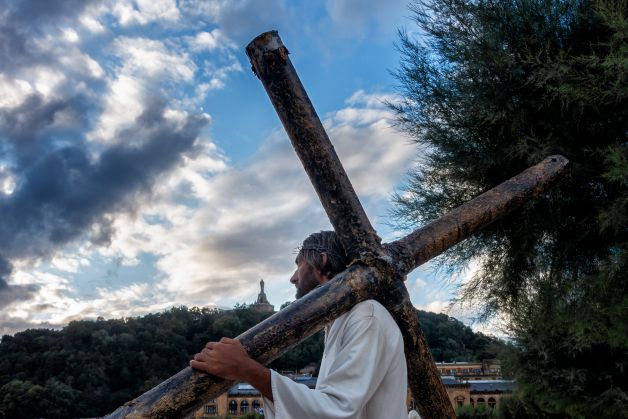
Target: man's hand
228,359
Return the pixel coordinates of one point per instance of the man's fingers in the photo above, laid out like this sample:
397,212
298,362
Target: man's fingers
199,365
227,340
210,345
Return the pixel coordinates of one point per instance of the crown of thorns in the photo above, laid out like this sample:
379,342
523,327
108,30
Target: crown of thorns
319,249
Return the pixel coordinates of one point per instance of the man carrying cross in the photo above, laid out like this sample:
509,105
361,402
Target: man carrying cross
363,372
381,273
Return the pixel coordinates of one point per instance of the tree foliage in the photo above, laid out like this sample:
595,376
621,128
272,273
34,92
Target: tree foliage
490,88
89,368
450,340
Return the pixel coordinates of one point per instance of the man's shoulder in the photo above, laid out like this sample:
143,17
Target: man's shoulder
370,308
372,315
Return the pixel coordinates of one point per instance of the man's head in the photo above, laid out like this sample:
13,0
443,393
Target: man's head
320,258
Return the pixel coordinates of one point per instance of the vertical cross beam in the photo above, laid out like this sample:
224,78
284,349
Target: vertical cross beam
377,272
271,64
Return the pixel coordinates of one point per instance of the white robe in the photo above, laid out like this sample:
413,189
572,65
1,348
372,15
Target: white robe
363,374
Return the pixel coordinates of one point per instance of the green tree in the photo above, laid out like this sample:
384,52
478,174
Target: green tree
477,412
489,88
90,368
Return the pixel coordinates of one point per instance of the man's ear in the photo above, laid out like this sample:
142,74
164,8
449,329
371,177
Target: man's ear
323,259
323,272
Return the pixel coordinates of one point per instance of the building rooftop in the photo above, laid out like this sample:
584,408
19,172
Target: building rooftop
245,389
492,386
451,381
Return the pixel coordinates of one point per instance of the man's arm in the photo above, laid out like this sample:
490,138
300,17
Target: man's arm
359,367
228,359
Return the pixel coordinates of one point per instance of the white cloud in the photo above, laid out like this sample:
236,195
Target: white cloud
216,229
240,19
54,303
7,180
416,285
70,35
367,122
141,12
246,221
209,41
123,103
217,75
437,306
159,9
68,263
372,100
147,67
83,64
151,58
14,91
46,80
92,24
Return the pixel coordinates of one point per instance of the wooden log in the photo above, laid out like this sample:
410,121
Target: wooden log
424,380
189,390
269,58
430,241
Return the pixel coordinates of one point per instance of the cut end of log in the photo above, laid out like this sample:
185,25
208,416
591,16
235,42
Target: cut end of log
263,43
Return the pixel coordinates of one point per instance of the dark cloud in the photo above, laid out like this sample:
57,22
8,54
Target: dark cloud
11,293
38,12
245,19
17,50
30,127
64,192
24,21
10,326
65,187
14,51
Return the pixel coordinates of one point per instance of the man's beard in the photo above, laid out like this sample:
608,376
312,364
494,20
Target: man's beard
306,287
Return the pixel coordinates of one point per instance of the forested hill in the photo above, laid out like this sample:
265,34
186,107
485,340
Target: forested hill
90,367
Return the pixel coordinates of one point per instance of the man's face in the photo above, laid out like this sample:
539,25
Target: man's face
305,278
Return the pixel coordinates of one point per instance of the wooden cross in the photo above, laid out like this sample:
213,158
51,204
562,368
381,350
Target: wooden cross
378,270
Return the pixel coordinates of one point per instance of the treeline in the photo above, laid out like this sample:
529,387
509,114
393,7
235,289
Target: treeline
91,367
450,340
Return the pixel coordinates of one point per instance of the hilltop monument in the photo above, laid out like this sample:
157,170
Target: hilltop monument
261,304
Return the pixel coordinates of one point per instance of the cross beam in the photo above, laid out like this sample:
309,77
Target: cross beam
377,270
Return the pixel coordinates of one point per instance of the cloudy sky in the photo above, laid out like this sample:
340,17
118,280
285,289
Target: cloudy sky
143,167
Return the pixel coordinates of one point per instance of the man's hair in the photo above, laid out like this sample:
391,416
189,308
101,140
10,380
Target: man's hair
324,242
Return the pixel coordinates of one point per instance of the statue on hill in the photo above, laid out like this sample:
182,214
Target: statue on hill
262,304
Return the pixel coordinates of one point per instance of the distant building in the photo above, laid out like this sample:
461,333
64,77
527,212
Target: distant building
485,370
473,383
474,392
240,400
261,304
243,398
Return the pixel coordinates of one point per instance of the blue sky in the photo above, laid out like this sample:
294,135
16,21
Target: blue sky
143,167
